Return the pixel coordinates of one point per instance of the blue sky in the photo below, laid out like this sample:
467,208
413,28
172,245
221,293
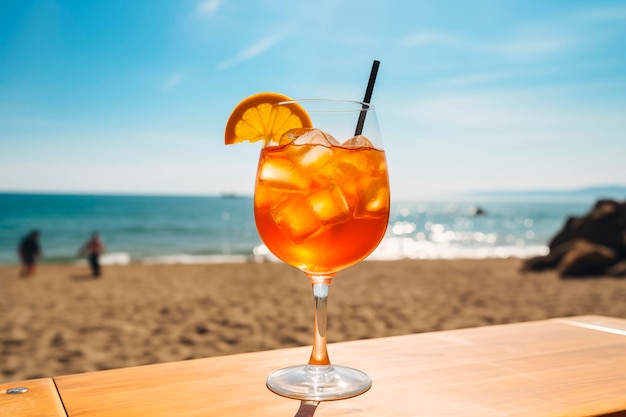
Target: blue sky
133,96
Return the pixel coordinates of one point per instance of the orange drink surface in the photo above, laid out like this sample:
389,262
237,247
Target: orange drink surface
319,205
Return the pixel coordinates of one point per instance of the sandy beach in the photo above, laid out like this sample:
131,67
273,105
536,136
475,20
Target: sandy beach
62,321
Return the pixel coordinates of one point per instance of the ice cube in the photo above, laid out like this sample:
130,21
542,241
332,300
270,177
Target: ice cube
315,137
346,175
310,148
311,157
281,173
366,160
374,198
293,134
295,217
329,204
359,141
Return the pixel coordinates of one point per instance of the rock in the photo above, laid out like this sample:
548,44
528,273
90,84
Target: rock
617,270
593,244
549,261
605,225
477,211
584,258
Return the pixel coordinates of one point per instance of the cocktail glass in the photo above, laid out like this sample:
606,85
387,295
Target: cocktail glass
321,204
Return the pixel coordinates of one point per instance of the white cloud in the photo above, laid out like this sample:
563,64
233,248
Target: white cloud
521,46
173,81
553,115
614,12
476,78
252,51
425,38
528,46
209,6
531,138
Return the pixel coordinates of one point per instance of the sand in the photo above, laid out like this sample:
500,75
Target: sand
62,321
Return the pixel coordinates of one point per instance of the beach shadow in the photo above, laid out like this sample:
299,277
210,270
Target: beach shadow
307,408
82,277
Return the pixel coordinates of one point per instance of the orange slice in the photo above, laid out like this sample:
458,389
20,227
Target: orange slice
256,118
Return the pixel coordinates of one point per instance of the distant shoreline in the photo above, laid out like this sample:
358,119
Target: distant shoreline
588,192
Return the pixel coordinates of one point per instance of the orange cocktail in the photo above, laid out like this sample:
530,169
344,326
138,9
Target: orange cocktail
319,205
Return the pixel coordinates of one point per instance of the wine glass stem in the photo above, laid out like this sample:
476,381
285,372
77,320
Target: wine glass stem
319,355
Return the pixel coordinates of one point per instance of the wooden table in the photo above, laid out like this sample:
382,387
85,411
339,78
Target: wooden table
559,367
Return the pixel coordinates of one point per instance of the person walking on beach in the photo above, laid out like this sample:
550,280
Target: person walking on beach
29,252
93,248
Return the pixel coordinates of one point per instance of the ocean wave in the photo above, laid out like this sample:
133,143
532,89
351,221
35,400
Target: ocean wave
390,249
196,259
396,248
113,258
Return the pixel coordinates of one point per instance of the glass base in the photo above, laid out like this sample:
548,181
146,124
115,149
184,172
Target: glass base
318,383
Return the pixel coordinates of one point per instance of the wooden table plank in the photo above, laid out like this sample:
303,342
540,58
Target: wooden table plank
228,385
599,323
41,399
547,368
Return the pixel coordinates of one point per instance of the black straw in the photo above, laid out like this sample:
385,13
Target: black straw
367,98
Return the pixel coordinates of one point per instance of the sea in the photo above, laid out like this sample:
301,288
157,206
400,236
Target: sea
208,229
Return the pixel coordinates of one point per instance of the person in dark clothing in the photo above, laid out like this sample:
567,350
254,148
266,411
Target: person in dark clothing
93,248
29,252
